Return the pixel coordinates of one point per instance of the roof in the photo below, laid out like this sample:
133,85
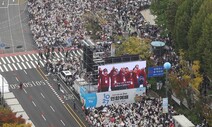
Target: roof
67,72
183,121
4,85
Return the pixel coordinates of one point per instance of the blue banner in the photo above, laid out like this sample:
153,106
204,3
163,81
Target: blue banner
155,71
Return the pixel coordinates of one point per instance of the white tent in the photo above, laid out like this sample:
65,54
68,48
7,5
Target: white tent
4,86
182,121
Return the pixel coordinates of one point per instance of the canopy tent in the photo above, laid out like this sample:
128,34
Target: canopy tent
157,43
158,47
4,86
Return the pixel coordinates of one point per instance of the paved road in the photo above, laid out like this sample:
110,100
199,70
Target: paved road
42,101
28,60
45,105
14,29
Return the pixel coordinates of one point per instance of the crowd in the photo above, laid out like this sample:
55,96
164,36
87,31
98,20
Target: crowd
146,113
54,22
57,23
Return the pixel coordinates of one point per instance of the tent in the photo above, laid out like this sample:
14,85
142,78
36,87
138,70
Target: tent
4,86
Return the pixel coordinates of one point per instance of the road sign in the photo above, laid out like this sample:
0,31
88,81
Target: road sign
155,71
2,45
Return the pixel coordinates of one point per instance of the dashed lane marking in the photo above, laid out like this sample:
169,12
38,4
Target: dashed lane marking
52,108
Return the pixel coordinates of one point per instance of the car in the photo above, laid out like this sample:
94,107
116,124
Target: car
65,75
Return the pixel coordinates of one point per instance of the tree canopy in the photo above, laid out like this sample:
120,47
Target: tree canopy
134,45
9,119
189,24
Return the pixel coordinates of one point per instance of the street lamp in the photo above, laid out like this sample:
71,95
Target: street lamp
166,66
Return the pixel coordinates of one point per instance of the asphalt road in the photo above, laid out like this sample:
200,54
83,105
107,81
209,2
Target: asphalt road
44,103
14,30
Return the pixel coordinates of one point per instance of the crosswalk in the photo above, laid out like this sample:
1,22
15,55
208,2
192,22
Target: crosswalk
29,61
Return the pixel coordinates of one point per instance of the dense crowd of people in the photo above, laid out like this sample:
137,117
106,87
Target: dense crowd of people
146,113
59,23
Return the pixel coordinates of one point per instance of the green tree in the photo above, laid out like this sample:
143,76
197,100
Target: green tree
205,42
182,24
201,9
134,45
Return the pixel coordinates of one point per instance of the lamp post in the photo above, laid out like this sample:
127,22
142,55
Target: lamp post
166,66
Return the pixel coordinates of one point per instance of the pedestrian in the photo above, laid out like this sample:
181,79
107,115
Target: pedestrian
21,85
75,105
58,85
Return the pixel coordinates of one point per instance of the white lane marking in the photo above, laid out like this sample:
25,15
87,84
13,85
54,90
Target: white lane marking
52,108
23,65
3,60
12,59
33,64
74,53
78,53
34,56
42,95
10,67
16,79
29,57
25,72
57,55
17,59
22,30
14,66
5,67
25,91
62,122
1,69
33,103
28,65
7,59
61,54
8,15
42,63
21,59
43,117
25,57
81,51
19,66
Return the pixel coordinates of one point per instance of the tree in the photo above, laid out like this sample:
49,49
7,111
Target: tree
182,24
9,117
134,45
205,41
200,9
16,125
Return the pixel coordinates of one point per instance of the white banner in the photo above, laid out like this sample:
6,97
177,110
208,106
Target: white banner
113,97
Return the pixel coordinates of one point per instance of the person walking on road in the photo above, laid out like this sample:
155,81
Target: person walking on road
58,85
21,85
74,105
